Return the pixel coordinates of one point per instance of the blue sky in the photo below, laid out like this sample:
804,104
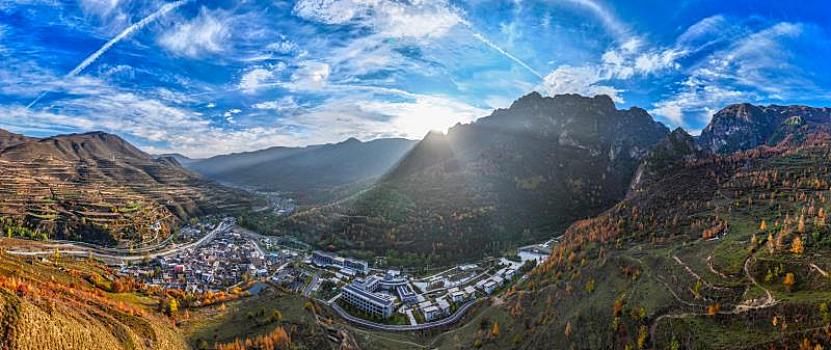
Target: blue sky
211,77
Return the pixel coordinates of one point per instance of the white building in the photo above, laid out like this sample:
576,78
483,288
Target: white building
458,297
361,294
444,306
431,313
489,287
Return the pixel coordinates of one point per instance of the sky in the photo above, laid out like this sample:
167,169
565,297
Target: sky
212,77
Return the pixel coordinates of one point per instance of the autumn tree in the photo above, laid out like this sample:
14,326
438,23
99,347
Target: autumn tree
495,330
643,335
713,309
797,246
789,281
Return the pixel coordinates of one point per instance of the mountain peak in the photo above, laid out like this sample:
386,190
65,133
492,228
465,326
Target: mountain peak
434,134
743,126
73,147
535,98
532,97
351,140
8,139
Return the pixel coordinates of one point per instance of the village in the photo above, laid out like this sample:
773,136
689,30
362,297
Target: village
383,298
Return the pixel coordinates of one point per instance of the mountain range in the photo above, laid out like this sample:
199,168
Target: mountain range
312,174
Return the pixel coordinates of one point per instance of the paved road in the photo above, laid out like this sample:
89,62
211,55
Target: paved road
77,250
312,285
406,328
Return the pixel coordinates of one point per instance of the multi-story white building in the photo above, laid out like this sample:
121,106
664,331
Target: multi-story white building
361,294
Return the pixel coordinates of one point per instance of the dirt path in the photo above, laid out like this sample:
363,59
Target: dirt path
692,273
746,306
713,269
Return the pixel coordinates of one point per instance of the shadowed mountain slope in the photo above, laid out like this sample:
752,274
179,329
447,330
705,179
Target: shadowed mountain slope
516,176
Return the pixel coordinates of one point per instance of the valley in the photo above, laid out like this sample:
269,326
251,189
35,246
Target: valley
689,245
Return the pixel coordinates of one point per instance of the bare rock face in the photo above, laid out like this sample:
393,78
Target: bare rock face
744,126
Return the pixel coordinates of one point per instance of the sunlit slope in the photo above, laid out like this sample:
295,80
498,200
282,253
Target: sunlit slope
49,305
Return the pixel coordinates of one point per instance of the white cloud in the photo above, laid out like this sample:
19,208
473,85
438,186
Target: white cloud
631,59
704,31
102,8
253,79
653,62
231,112
422,19
124,113
310,75
283,104
284,46
205,34
585,80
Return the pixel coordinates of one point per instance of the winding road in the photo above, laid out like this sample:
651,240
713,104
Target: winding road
76,249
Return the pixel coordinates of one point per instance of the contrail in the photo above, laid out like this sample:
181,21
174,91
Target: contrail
109,44
502,51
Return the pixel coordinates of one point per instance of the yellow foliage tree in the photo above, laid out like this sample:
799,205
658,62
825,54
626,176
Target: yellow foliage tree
643,335
763,226
713,309
797,246
173,305
495,330
789,280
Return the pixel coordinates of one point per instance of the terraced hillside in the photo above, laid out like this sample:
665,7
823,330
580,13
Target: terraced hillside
98,188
